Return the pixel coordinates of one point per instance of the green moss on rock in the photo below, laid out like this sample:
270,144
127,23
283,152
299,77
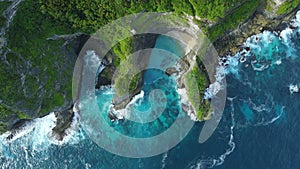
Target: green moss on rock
196,83
287,6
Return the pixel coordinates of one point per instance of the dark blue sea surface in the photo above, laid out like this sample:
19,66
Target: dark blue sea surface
259,128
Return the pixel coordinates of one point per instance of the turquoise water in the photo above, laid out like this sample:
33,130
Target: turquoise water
259,128
164,101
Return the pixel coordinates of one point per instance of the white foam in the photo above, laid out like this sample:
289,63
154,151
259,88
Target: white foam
215,87
273,119
35,133
184,100
293,88
261,68
88,165
74,134
38,135
278,62
286,35
136,98
296,22
92,60
233,63
210,163
212,90
163,161
124,113
133,31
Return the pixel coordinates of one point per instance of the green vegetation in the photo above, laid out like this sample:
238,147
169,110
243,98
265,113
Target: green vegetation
133,82
123,49
232,20
6,114
37,72
3,7
90,16
3,128
197,82
288,6
127,77
270,5
46,70
213,9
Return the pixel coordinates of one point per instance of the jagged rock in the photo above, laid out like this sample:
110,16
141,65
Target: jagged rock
15,127
171,70
260,21
64,120
144,41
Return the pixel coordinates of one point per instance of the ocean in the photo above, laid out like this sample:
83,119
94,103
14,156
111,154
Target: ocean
259,128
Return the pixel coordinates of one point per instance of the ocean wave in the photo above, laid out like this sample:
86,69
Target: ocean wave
293,88
265,123
261,107
213,162
296,21
92,60
125,113
266,46
73,135
163,161
185,101
37,135
264,113
218,85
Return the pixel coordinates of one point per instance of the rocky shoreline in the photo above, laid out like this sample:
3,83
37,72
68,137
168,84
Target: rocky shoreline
230,43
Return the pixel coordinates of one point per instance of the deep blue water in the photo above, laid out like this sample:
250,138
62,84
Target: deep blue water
259,128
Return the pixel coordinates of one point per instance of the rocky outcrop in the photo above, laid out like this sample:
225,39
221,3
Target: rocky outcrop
63,122
140,42
261,20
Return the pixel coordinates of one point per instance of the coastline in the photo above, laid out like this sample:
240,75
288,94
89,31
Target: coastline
232,42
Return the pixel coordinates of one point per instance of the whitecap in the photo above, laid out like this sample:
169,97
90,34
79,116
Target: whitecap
212,90
73,135
38,136
261,68
278,116
278,62
285,35
218,85
163,161
210,162
293,88
296,21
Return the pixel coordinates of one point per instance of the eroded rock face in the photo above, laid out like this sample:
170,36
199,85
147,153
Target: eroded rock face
172,70
260,21
140,42
64,120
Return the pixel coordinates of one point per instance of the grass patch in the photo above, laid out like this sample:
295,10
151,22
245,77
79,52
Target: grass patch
197,82
232,20
287,6
270,4
126,78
